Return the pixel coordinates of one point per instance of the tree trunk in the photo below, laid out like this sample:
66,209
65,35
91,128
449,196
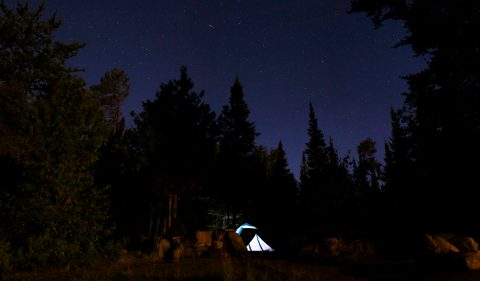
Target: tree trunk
169,212
175,204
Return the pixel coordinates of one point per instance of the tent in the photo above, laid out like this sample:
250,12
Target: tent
256,243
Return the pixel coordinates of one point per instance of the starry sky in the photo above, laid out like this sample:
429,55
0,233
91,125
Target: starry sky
286,54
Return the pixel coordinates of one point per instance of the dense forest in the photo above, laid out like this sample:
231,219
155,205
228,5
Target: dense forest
76,183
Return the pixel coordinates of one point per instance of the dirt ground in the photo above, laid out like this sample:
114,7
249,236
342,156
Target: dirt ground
247,268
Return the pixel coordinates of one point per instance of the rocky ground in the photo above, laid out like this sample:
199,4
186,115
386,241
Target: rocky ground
146,268
224,257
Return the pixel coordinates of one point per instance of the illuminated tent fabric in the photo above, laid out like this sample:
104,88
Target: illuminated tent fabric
256,243
244,226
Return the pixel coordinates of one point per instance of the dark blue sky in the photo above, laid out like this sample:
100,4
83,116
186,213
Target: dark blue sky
286,53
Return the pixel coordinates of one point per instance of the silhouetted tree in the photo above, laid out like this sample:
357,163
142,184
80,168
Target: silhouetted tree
341,184
112,90
313,193
236,148
326,190
51,129
176,132
441,109
367,176
281,200
113,169
368,170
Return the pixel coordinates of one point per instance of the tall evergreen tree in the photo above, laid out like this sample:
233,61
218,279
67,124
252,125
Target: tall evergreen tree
237,145
399,162
282,198
367,175
325,183
311,194
368,170
115,168
177,132
341,190
237,135
441,107
51,128
112,90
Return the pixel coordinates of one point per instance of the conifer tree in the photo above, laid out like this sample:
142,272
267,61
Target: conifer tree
440,113
112,90
237,145
176,132
368,171
367,175
282,197
325,183
51,129
313,171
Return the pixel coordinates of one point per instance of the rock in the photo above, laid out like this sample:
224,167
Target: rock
309,251
178,252
465,244
203,238
177,248
358,251
217,238
188,248
189,252
472,260
161,248
236,243
439,245
333,246
201,251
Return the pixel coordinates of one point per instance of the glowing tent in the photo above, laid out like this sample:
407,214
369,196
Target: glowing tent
256,243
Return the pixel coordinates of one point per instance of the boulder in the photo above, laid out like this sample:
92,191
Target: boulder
333,246
203,238
465,244
358,251
177,248
178,252
236,243
439,245
188,248
309,251
217,238
472,260
161,248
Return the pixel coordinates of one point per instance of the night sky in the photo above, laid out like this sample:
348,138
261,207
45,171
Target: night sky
286,54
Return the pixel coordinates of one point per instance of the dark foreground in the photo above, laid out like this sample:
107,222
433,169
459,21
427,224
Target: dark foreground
249,268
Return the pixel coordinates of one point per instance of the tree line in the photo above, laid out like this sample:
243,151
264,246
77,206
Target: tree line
75,182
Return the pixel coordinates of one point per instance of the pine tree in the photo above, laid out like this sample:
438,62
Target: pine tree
367,179
312,193
282,197
51,128
326,191
177,133
237,135
340,185
440,112
237,145
368,171
112,90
